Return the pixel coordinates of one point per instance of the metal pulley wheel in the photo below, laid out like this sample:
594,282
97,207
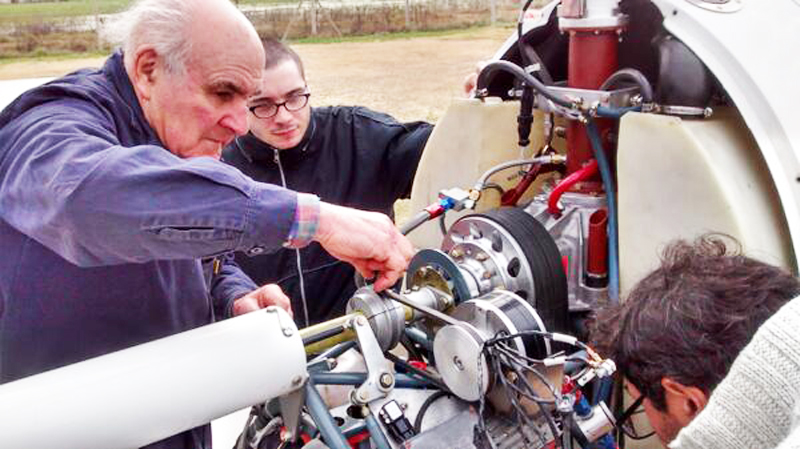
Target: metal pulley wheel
508,248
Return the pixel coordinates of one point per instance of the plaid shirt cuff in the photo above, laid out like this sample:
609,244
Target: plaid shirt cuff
306,220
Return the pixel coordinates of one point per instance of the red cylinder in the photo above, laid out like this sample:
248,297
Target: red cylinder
592,59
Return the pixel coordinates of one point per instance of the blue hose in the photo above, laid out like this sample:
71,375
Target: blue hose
608,184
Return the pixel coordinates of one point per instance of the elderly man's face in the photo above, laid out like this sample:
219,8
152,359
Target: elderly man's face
201,111
279,84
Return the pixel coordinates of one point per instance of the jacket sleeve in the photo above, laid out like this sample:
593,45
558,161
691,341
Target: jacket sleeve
68,183
757,404
228,285
402,144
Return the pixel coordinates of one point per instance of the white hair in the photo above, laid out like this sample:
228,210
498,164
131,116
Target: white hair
161,23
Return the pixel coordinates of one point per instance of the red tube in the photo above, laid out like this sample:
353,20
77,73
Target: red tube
597,265
587,171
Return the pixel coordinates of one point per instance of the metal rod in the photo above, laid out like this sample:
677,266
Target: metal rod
318,346
328,333
322,417
424,309
376,433
400,380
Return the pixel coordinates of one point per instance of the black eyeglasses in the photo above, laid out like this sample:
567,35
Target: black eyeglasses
269,109
625,423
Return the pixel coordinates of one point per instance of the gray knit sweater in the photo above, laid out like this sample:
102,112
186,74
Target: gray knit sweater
757,405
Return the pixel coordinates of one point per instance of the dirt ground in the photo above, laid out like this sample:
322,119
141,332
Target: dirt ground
412,79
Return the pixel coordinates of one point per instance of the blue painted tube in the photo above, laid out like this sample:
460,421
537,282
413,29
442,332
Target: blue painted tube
335,351
376,433
400,380
608,183
417,336
616,113
322,418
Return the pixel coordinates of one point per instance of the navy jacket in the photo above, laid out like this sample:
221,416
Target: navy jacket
102,229
350,156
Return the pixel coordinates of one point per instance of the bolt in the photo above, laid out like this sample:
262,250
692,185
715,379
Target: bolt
482,257
458,363
361,321
287,331
386,380
487,274
362,395
297,380
456,253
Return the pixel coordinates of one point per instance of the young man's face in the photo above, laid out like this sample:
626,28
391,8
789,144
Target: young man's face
666,423
279,84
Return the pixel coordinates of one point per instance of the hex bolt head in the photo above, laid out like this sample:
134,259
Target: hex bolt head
361,321
386,380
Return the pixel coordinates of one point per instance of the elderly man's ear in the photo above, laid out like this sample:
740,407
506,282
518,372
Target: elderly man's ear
683,402
145,71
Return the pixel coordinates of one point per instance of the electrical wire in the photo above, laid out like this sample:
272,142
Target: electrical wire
425,406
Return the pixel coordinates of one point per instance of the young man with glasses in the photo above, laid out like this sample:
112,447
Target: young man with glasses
347,155
680,329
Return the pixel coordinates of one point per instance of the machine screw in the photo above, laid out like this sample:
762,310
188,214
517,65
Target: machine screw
386,380
361,321
458,363
287,331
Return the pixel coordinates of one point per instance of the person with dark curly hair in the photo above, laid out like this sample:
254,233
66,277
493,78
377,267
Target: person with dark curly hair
680,329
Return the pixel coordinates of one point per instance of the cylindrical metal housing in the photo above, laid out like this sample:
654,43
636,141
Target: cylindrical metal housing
143,394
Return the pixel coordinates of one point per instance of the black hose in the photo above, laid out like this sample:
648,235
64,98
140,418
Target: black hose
632,76
424,408
530,80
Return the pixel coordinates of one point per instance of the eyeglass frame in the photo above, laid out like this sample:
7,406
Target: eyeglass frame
305,94
626,418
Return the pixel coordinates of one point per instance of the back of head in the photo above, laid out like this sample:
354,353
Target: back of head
277,52
690,318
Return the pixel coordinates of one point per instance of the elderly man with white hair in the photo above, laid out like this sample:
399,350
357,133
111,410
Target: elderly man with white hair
111,192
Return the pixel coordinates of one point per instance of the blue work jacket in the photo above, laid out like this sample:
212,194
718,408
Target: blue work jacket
102,229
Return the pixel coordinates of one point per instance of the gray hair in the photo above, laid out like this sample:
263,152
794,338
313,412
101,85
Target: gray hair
160,23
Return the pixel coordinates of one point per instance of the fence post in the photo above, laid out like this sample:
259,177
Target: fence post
314,4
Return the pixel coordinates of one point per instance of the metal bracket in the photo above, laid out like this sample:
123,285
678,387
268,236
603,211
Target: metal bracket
380,377
291,408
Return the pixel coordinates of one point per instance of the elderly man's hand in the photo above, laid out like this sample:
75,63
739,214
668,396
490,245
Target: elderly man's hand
367,240
268,295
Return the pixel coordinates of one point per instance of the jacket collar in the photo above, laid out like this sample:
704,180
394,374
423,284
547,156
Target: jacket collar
256,150
114,70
